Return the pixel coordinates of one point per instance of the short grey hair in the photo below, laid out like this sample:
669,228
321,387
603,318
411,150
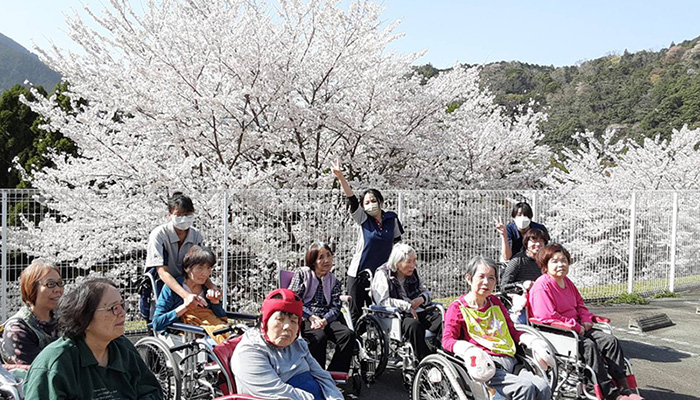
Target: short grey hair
399,252
477,261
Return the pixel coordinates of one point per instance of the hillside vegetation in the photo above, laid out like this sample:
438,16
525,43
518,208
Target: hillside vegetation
639,94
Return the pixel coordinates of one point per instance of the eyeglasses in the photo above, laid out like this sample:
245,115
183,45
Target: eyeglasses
202,268
115,309
52,284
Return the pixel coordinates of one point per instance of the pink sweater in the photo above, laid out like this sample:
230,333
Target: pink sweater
551,303
456,329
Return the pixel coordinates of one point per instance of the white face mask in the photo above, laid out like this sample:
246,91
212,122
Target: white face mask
182,223
372,209
522,222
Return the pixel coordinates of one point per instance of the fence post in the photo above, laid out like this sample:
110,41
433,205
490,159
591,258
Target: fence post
674,225
535,208
4,256
224,250
400,207
633,227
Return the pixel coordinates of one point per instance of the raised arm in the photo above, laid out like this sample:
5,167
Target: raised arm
506,252
338,172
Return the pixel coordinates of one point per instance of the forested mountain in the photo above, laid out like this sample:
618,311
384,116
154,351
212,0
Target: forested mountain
17,64
640,94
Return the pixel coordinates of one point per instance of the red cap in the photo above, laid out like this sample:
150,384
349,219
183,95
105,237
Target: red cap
289,302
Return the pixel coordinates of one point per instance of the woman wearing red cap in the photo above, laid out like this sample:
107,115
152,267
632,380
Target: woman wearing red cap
270,362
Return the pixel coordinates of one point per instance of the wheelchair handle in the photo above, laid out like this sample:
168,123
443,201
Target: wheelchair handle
223,330
183,346
511,286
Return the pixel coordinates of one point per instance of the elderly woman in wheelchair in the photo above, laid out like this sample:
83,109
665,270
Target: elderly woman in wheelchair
479,332
555,301
170,307
404,307
270,361
320,292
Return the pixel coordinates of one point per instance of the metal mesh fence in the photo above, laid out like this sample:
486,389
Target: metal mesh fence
262,231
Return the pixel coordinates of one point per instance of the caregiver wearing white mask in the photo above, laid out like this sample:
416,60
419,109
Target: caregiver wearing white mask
168,244
379,230
512,234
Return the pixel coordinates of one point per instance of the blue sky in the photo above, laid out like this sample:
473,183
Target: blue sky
469,31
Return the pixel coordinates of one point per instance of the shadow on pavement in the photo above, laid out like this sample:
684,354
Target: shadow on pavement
642,351
656,393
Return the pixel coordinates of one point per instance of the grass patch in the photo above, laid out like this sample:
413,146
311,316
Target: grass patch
446,301
135,325
646,286
627,298
665,294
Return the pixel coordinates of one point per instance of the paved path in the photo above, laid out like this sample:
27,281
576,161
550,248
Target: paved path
666,361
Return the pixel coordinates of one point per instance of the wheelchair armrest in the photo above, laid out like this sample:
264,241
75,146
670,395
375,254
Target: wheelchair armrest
10,367
552,324
387,310
598,319
339,376
242,397
180,327
434,305
235,315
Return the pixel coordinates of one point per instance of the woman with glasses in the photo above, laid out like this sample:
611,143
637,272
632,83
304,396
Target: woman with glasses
34,326
93,359
197,264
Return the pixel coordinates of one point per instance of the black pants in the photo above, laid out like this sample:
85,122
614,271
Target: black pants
414,330
337,333
603,353
357,289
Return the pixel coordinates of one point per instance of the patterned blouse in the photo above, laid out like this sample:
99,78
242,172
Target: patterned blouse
318,306
24,336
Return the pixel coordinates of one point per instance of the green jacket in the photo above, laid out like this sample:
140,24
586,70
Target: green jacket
67,369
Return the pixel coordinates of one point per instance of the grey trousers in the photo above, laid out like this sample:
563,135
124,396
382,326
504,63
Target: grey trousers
524,386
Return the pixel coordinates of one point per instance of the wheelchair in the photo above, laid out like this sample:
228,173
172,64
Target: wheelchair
10,382
573,377
225,351
363,365
184,359
442,376
380,331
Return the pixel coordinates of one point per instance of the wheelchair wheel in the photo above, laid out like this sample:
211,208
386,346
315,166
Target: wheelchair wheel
198,374
551,375
375,345
437,379
158,359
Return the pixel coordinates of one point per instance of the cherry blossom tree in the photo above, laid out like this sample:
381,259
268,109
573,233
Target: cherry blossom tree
212,95
593,211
